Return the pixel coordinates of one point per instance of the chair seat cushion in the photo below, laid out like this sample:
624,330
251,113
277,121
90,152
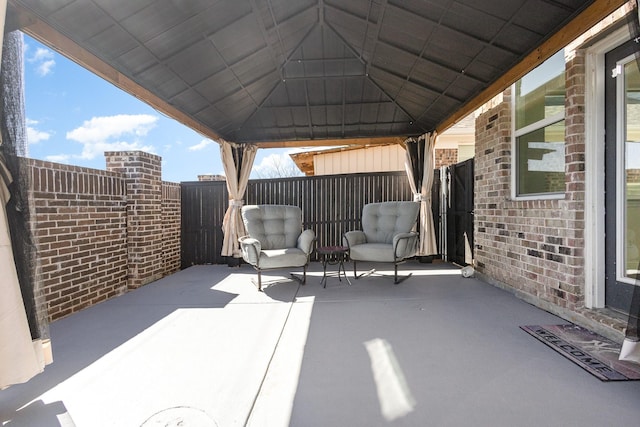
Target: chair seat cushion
377,252
279,258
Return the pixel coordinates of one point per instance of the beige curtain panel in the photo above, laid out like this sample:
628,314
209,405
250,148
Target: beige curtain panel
420,164
237,160
20,357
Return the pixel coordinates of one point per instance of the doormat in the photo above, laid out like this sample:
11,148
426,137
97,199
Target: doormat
592,352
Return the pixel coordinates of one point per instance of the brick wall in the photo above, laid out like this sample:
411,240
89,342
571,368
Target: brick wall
532,246
97,232
446,156
80,231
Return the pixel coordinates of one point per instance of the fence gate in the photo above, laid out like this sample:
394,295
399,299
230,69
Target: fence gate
203,207
456,213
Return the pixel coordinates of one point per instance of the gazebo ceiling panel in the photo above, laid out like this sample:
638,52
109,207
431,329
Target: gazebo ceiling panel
516,37
405,29
449,40
438,76
237,107
145,24
193,101
180,37
282,10
136,60
239,40
197,62
118,10
76,17
362,9
394,59
465,19
166,83
271,70
503,10
286,95
255,67
285,36
114,42
353,30
536,14
259,90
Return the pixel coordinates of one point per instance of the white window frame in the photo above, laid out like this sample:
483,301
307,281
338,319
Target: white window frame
515,133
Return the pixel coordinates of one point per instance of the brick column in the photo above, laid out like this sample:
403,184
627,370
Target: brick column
142,174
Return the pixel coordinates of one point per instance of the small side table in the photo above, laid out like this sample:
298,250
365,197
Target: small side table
333,255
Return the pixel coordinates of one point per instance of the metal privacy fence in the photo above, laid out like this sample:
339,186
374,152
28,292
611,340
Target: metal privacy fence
331,205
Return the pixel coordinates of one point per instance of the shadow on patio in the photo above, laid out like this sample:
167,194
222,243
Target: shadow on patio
203,346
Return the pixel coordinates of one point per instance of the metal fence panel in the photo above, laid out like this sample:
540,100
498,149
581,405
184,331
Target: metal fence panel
331,205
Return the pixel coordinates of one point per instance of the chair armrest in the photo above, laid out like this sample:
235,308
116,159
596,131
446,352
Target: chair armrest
305,241
250,249
405,245
354,237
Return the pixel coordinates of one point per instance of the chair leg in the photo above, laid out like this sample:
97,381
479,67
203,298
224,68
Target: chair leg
259,281
355,272
397,279
304,275
395,274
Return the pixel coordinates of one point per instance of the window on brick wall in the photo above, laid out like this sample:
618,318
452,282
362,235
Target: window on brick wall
538,134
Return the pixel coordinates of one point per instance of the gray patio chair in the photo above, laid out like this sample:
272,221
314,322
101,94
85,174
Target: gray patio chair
275,239
387,235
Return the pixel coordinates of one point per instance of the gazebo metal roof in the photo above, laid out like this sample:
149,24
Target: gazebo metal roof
305,72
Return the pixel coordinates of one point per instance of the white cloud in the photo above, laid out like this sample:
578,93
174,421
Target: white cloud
201,146
101,134
45,67
42,54
34,135
43,60
59,158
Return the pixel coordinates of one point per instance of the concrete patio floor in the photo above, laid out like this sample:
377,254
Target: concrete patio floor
204,348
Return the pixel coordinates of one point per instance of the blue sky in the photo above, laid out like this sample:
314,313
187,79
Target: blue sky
74,116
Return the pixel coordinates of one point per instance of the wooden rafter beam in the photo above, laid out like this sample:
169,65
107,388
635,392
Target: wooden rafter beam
593,14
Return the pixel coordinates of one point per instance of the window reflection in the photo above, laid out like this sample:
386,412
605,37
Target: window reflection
541,160
632,172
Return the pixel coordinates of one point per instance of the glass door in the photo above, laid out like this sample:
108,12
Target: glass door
622,176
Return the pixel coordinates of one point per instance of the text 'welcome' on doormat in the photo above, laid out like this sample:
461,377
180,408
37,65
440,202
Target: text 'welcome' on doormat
592,352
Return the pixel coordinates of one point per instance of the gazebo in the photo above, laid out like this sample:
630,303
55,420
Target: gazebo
253,74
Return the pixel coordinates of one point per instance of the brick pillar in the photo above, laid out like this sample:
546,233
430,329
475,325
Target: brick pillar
142,174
